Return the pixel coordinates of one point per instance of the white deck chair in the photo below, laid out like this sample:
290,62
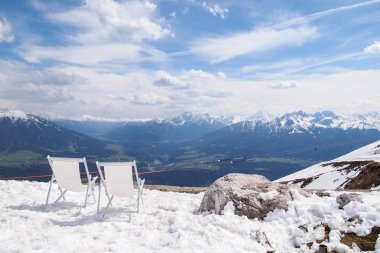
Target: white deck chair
118,181
67,175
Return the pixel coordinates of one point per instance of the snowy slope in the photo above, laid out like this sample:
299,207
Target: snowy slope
338,173
170,222
17,116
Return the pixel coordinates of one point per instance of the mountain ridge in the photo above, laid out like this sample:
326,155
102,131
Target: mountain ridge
358,169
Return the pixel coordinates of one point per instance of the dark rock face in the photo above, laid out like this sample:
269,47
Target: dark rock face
252,195
345,198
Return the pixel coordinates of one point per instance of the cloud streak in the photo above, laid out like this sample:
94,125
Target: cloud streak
312,17
221,49
293,32
84,54
6,34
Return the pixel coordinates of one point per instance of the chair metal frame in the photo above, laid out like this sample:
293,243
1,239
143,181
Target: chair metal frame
90,183
103,181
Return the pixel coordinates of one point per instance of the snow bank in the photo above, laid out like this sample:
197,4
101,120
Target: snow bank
170,222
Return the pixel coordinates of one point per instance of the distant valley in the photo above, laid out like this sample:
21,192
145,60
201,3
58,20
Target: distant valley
196,148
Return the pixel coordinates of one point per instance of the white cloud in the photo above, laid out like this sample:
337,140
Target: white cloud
6,31
224,48
315,16
167,80
373,48
216,10
285,85
148,99
26,85
65,91
84,54
103,20
189,79
103,31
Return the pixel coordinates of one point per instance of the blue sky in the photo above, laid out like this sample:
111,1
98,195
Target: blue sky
147,59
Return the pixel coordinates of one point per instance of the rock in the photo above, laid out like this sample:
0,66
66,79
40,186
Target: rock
252,195
345,198
322,194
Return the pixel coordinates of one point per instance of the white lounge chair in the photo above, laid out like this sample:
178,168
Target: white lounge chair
118,181
67,175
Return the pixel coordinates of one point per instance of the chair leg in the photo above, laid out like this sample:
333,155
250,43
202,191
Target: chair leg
61,196
138,202
60,189
48,195
92,183
107,194
93,194
105,210
141,190
100,187
85,200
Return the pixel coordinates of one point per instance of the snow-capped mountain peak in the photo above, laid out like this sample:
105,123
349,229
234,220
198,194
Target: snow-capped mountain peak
261,116
301,122
14,114
199,119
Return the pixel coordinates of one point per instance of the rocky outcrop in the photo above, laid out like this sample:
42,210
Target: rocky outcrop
252,195
345,198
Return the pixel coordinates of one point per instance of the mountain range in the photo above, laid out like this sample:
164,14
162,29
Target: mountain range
26,140
273,146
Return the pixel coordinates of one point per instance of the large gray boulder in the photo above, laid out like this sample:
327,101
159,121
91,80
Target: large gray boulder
252,195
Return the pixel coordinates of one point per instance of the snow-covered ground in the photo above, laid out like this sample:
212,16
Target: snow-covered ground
170,222
328,176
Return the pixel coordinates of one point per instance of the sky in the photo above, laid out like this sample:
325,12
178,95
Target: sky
107,59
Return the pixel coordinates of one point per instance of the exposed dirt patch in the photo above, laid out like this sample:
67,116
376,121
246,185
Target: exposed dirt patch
368,177
365,243
168,188
304,181
350,165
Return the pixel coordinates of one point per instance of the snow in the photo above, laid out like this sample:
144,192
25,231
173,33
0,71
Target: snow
332,179
268,195
329,177
303,121
170,222
369,152
13,114
187,118
377,247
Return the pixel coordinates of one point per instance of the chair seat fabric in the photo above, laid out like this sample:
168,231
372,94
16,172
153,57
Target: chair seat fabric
67,175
